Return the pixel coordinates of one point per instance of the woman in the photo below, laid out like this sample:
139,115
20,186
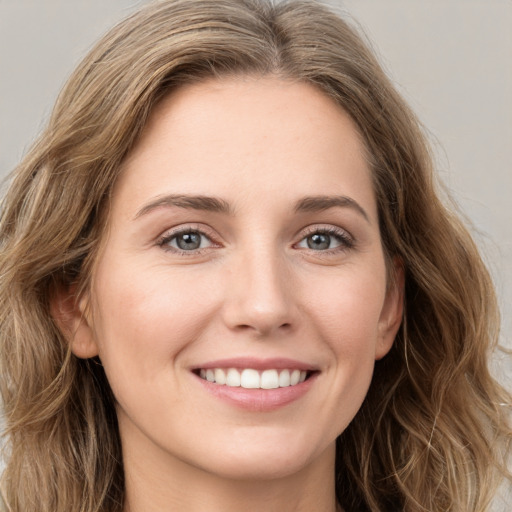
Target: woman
228,281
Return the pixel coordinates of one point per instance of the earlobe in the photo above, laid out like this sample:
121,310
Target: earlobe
68,312
392,311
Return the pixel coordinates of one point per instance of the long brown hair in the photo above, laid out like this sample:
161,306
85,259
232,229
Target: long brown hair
434,429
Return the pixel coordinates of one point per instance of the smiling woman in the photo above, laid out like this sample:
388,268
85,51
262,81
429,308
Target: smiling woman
238,288
228,282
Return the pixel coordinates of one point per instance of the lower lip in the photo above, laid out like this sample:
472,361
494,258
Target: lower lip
258,400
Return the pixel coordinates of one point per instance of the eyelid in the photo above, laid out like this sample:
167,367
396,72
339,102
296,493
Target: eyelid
346,238
347,241
181,229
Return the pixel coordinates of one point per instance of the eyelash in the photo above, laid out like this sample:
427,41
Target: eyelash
167,238
346,241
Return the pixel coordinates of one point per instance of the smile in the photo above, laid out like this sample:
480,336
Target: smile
249,378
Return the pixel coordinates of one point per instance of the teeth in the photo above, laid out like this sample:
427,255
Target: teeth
284,379
269,379
233,378
252,379
220,376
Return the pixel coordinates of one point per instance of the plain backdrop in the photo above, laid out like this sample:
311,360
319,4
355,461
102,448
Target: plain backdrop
451,59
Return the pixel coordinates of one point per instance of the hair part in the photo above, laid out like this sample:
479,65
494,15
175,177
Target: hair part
434,431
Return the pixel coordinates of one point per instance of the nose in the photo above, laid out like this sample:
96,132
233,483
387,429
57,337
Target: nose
259,294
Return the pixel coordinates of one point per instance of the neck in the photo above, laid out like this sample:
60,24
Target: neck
154,486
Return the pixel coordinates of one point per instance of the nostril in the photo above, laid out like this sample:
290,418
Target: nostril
244,327
263,329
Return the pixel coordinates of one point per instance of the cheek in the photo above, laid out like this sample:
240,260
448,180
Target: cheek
347,317
141,327
143,323
348,310
145,317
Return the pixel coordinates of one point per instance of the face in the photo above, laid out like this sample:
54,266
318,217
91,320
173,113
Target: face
239,301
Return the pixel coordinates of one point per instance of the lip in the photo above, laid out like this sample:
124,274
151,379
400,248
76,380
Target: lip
257,400
276,363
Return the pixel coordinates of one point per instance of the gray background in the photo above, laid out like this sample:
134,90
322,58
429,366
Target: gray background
452,60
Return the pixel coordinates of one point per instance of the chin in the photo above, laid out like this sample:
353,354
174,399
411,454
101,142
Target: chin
267,459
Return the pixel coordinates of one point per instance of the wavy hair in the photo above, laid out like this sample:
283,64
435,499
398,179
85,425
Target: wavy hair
434,430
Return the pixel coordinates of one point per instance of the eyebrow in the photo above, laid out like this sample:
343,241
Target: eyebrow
215,204
204,203
321,203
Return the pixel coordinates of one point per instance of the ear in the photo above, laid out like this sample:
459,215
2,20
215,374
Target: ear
68,312
392,311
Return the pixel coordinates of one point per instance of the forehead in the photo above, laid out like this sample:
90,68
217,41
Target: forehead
246,134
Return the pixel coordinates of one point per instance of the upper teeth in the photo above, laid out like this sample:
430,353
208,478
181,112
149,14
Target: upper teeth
252,379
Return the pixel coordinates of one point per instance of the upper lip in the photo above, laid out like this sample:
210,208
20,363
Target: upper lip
279,363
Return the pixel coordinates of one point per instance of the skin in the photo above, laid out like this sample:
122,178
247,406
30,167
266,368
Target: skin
254,288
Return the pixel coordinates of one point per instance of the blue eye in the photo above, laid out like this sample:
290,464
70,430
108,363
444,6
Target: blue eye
186,241
319,241
324,240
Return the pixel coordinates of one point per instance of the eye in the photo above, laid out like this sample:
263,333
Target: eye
187,241
326,239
